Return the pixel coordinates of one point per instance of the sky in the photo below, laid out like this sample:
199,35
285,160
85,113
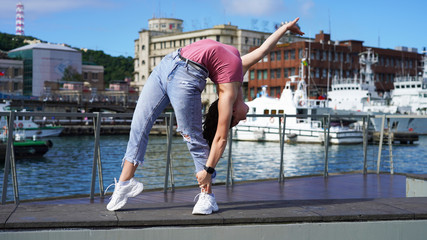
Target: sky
113,25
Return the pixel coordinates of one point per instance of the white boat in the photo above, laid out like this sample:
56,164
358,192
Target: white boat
410,92
358,95
28,127
293,101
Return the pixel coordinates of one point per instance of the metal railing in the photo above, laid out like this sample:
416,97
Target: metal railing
169,175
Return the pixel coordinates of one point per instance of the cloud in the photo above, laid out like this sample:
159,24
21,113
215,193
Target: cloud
256,8
38,8
306,6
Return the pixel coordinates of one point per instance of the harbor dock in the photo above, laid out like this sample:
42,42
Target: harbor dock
344,206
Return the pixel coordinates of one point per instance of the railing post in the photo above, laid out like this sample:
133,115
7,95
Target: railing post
8,161
365,144
170,133
96,158
282,146
326,140
230,180
390,146
168,157
97,132
380,144
14,175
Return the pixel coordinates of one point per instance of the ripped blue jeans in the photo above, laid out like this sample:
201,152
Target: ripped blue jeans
177,82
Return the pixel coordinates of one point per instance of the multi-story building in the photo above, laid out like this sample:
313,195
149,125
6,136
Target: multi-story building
11,76
324,59
44,65
93,75
165,35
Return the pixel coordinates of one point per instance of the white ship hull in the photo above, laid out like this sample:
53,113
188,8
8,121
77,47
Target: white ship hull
42,132
416,125
297,134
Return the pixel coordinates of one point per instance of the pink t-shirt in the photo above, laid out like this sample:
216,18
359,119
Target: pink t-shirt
222,61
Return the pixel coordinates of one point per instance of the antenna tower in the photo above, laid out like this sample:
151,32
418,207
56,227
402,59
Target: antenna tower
20,19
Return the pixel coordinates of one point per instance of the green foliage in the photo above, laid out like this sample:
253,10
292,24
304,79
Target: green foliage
71,75
115,68
10,41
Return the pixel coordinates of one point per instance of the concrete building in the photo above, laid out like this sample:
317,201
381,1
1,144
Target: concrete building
93,75
11,76
325,59
165,35
44,65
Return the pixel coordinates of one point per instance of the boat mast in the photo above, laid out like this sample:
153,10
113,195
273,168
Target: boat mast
367,59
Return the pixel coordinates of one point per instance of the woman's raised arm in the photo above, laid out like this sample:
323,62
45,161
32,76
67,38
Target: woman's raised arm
253,57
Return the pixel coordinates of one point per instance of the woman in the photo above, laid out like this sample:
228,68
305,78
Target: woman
179,80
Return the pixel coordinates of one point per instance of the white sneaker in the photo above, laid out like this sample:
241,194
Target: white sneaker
206,204
122,193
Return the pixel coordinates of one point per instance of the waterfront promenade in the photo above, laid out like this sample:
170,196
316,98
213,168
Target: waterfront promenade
348,206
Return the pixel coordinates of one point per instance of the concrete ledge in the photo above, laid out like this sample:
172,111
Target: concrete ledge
416,185
94,216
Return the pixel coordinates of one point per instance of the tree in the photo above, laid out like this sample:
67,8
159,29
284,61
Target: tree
71,75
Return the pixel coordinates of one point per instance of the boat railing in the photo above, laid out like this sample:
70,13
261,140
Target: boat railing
173,171
317,103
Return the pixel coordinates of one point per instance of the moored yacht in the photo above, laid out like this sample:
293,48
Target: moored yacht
293,101
358,95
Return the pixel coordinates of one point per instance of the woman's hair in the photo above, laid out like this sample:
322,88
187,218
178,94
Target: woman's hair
211,122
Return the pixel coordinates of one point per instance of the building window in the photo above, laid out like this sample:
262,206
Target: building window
218,38
317,72
246,40
94,75
293,54
259,74
252,75
286,73
278,73
85,76
265,74
300,52
278,55
286,55
252,93
272,56
272,73
265,59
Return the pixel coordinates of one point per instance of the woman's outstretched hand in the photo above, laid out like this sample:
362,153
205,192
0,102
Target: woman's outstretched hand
293,27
